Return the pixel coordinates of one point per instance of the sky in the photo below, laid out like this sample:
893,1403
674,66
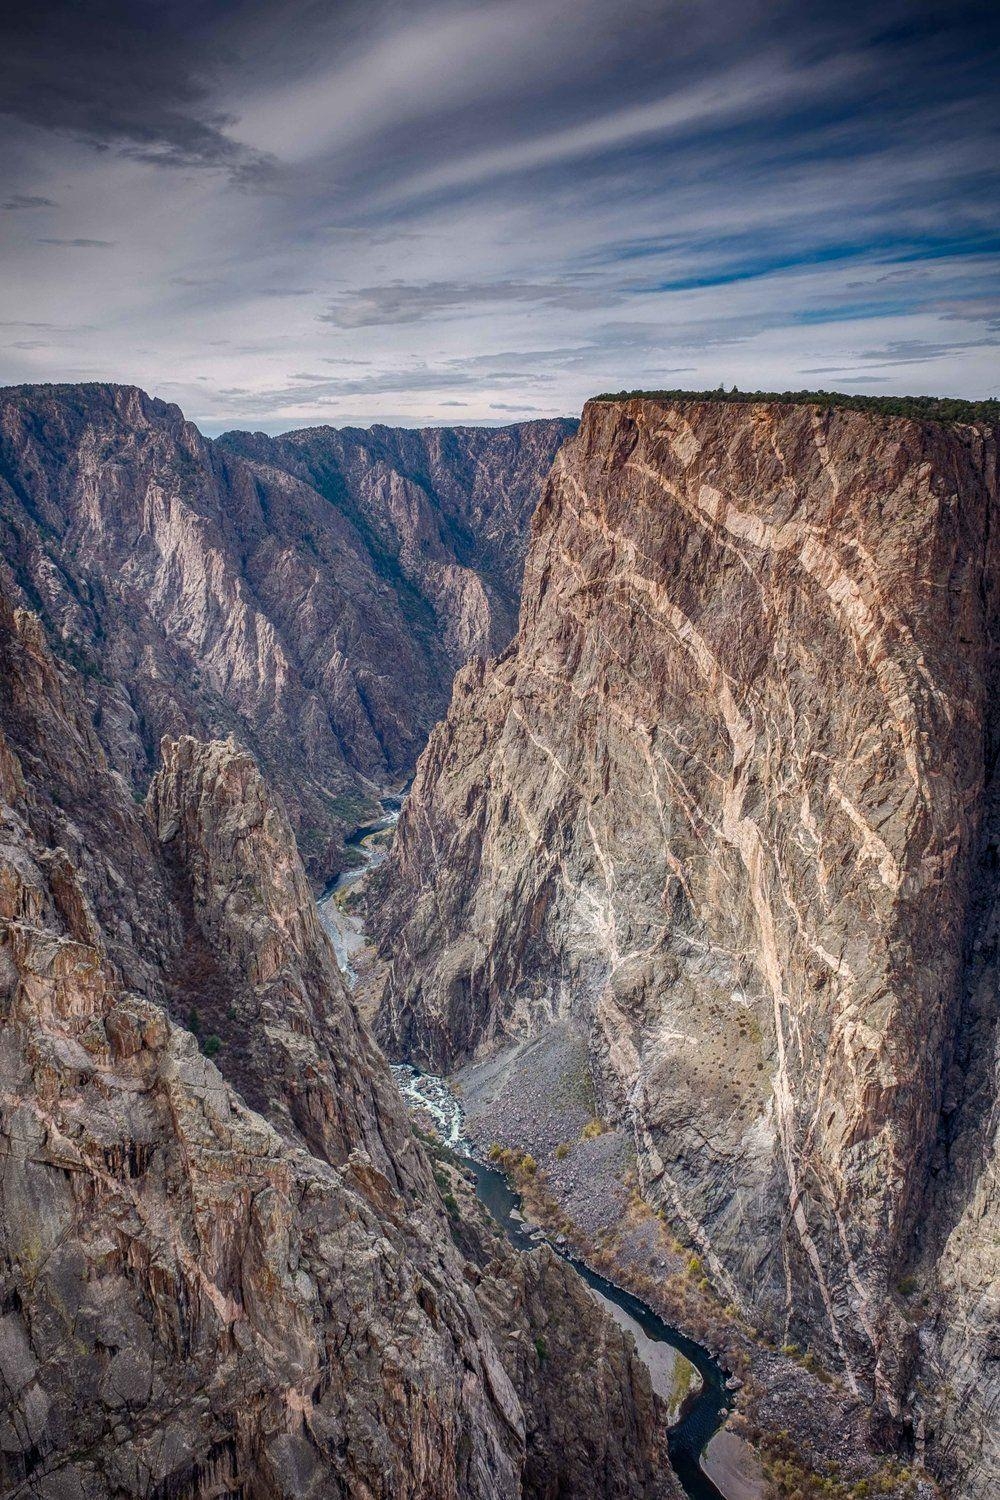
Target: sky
279,214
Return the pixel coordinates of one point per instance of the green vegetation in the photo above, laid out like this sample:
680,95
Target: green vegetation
194,1020
680,1383
515,1163
541,1349
592,1129
790,1476
562,1151
444,1187
211,1045
351,809
920,408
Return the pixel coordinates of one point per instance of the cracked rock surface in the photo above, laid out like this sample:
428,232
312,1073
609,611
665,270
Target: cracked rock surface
310,596
203,1297
727,803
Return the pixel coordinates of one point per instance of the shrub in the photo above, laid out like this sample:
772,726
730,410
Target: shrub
594,1127
920,408
541,1349
562,1151
210,1046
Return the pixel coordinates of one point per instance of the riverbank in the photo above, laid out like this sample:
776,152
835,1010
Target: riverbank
340,905
797,1427
796,1431
690,1384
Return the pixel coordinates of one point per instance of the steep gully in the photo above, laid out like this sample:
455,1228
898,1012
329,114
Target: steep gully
702,1414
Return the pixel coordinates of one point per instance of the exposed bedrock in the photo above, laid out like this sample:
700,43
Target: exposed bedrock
199,1298
316,612
724,801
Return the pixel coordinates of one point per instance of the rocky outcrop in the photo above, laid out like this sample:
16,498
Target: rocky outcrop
722,806
199,1298
315,615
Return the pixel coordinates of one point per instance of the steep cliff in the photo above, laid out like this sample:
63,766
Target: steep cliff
199,592
198,1298
444,512
721,805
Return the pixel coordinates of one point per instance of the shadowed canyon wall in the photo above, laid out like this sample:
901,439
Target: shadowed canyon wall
316,612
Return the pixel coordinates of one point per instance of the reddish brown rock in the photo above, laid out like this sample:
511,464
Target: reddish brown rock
199,1298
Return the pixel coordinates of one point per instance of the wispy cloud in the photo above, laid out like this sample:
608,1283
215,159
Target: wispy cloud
461,205
18,201
78,243
402,302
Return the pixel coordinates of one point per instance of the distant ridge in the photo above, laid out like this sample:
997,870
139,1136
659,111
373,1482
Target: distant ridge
923,408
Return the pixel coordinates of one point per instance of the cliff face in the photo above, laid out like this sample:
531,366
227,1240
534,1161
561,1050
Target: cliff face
201,592
201,1298
723,803
445,511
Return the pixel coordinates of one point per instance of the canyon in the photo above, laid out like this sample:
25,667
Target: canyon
311,596
724,817
227,1266
694,900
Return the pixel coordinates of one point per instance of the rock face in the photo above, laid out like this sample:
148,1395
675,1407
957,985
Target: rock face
727,804
199,1298
317,614
443,512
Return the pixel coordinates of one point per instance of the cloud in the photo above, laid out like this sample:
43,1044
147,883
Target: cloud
712,102
118,76
402,302
18,201
78,244
499,201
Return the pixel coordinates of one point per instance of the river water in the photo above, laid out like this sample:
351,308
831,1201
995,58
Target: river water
696,1414
345,928
696,1418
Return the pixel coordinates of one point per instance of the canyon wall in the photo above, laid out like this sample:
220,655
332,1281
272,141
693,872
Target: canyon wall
200,591
444,512
239,1276
725,805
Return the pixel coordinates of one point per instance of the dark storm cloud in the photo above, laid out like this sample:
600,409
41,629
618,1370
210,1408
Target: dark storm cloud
118,74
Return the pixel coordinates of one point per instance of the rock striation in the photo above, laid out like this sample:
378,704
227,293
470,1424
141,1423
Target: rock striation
203,1298
727,805
444,513
317,612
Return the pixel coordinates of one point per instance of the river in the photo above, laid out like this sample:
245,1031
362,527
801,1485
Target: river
695,1417
345,928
